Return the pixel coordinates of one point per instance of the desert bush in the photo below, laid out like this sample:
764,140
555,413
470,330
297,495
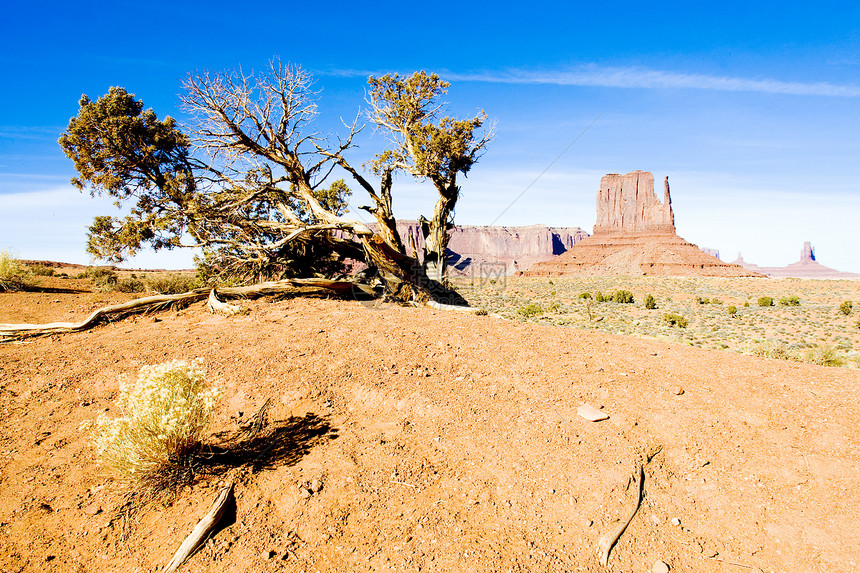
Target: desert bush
732,310
765,301
650,302
701,300
172,283
746,304
846,307
585,295
599,297
789,301
41,270
824,355
129,285
715,300
13,275
673,319
554,307
480,312
531,309
623,296
776,351
151,449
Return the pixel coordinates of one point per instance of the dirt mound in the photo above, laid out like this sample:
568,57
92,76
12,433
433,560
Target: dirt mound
637,254
438,441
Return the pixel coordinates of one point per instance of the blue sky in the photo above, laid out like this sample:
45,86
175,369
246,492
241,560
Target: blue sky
750,108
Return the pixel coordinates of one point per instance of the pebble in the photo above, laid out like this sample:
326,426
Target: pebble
676,521
679,391
660,567
588,523
591,413
305,493
316,485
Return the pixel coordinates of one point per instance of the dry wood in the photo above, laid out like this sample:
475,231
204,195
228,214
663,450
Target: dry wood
302,287
202,530
214,305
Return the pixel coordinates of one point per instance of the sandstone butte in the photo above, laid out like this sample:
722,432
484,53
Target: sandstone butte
634,235
806,268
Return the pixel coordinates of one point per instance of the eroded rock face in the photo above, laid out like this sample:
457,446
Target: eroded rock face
806,268
627,204
807,253
635,235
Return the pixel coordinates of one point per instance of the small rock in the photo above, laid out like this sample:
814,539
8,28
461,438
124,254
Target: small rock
588,523
660,567
156,319
305,493
93,509
655,519
316,485
679,391
676,521
270,554
591,413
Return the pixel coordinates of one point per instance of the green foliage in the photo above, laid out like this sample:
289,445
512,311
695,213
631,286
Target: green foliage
765,301
846,307
172,283
598,297
673,319
41,270
129,285
700,300
13,275
103,278
716,301
554,307
650,302
746,304
789,301
529,310
126,153
585,295
623,297
165,414
732,310
481,312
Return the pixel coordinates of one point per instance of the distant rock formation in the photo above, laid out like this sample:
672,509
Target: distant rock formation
806,268
495,249
627,204
635,235
713,252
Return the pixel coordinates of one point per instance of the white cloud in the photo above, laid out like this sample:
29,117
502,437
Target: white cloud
592,75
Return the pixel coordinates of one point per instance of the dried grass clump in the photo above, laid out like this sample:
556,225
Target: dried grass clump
13,275
151,449
173,283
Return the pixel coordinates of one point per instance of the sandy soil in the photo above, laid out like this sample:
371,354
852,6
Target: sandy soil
441,442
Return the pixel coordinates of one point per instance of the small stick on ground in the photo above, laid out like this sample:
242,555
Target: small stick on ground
202,530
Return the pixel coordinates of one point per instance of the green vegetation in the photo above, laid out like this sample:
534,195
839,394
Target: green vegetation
650,302
554,307
172,283
481,312
599,297
673,319
623,297
846,307
732,310
585,295
41,270
530,309
765,301
13,275
129,285
789,301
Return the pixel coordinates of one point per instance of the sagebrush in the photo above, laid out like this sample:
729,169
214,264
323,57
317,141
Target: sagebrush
13,275
150,450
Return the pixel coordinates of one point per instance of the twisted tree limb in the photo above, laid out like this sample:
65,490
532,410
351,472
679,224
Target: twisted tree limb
202,530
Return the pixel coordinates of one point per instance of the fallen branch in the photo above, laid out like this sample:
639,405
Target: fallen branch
297,287
214,305
202,530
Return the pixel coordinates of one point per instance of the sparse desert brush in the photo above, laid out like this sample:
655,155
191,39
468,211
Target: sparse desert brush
732,310
623,296
151,449
13,275
42,270
129,285
846,307
673,319
585,295
554,307
789,301
480,312
770,350
715,300
531,309
765,301
650,302
824,355
700,300
172,283
598,296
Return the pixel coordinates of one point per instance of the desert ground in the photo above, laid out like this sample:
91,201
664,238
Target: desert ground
411,439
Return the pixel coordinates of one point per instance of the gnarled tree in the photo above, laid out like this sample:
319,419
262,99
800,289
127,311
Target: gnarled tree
246,181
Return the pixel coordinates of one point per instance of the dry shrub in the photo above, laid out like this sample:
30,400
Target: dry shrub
151,449
173,283
13,275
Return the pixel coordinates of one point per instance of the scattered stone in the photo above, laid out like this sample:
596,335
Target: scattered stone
270,554
676,521
305,493
660,567
679,391
93,509
591,413
316,485
588,523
